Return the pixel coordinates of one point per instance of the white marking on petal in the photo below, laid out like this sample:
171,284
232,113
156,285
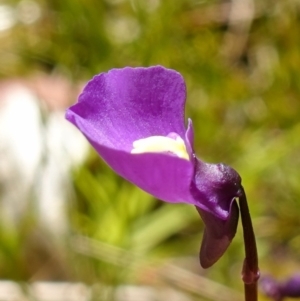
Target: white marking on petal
159,144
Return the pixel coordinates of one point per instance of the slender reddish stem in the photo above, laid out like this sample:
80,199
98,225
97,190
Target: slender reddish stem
250,273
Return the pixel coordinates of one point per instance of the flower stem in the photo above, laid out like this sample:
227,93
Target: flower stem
250,272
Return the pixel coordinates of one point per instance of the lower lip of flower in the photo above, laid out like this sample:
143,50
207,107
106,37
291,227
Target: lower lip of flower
161,144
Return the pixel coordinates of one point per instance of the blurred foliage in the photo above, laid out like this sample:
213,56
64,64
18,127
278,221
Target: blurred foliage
242,75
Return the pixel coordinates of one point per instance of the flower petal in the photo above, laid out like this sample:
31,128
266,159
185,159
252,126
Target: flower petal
128,104
124,105
214,186
165,176
218,235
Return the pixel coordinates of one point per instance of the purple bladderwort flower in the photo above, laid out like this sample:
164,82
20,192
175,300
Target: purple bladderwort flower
134,118
278,291
291,287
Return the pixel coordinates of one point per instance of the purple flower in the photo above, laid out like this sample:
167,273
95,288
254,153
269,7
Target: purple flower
270,287
134,118
291,287
280,290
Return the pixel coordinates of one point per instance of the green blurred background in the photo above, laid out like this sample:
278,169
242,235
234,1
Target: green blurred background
241,62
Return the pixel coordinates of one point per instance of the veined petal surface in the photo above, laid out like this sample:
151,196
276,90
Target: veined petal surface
124,105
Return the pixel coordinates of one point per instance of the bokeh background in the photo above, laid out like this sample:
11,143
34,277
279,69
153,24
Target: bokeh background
66,218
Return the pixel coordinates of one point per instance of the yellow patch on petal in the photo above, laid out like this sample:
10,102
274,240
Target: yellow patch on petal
159,144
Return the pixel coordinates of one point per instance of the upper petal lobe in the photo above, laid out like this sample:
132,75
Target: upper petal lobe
124,105
128,104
